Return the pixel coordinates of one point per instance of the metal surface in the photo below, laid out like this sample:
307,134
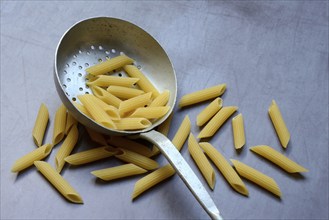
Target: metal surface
184,171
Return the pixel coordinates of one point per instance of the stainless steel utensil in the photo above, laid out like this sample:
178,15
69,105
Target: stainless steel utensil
96,39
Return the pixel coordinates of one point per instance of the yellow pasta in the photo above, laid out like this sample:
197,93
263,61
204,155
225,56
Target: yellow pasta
161,100
217,121
105,96
89,156
122,142
40,125
58,182
279,124
202,95
137,159
110,110
238,131
132,124
109,65
28,159
98,114
209,111
152,179
150,112
70,122
118,172
96,137
279,159
106,81
201,161
133,103
182,133
66,148
257,177
144,83
224,167
82,109
59,124
124,92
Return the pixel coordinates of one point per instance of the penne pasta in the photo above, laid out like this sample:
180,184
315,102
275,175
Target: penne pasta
106,81
133,103
137,159
122,142
82,109
89,156
217,121
150,112
144,83
66,148
182,133
257,177
152,179
96,137
279,159
209,111
28,159
225,168
202,95
118,172
58,182
110,110
106,97
238,131
70,122
124,92
59,125
109,65
98,114
161,100
132,123
40,125
279,124
201,161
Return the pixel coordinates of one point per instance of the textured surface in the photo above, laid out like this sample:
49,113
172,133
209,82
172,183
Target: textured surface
263,50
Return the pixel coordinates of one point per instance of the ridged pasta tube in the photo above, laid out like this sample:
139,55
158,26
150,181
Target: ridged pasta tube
161,100
70,122
105,96
124,92
132,123
106,81
209,111
238,131
133,103
40,125
150,112
59,124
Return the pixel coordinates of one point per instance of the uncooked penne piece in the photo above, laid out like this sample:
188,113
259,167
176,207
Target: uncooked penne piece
106,81
105,96
224,167
58,182
144,83
201,161
82,109
132,123
28,159
279,159
279,124
238,131
89,156
217,121
118,172
98,114
70,122
133,103
66,148
209,111
161,100
96,137
202,95
137,159
124,92
40,125
110,110
109,65
182,133
150,112
59,125
152,179
122,142
257,177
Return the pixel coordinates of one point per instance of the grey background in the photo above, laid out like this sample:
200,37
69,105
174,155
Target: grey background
263,50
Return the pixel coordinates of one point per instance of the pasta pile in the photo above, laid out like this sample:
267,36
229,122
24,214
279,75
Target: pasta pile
116,103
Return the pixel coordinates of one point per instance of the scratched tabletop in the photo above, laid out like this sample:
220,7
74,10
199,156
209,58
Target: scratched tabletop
262,50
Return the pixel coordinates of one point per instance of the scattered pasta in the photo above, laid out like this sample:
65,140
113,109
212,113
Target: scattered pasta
40,125
238,131
209,111
59,125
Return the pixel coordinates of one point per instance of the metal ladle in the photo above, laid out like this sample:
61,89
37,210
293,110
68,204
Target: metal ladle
96,39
